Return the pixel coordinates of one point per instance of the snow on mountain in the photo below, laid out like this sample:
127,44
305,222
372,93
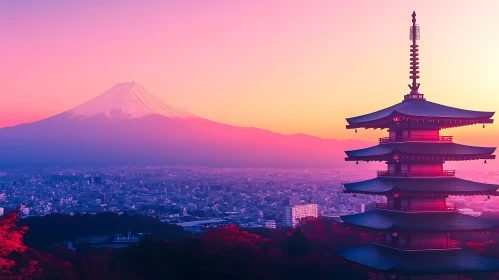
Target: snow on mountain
127,101
128,125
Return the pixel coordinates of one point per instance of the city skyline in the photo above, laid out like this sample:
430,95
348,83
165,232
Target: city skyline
240,139
274,67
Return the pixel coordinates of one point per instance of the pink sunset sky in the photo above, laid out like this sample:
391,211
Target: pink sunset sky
286,66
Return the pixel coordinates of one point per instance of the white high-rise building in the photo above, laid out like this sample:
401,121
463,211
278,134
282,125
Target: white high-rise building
270,224
1,211
294,211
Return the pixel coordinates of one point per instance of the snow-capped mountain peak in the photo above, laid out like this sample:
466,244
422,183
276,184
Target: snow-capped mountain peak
127,101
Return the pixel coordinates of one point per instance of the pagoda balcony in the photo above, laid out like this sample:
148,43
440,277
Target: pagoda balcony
415,138
451,244
443,173
417,208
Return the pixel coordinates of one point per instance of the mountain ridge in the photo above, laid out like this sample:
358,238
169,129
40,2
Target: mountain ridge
90,135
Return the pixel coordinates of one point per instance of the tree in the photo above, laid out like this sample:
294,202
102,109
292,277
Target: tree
11,241
298,245
12,249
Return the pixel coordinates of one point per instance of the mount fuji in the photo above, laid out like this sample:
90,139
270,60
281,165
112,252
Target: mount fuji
127,101
127,125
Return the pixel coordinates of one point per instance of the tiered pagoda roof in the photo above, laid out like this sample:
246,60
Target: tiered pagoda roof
434,262
415,227
420,110
421,186
384,220
421,150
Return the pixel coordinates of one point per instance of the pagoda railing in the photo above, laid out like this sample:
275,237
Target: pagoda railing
443,173
416,208
415,138
451,244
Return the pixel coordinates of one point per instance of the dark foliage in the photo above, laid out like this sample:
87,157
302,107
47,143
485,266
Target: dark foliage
230,253
222,253
297,245
47,230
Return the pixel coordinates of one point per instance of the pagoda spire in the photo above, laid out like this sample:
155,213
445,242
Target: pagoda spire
414,36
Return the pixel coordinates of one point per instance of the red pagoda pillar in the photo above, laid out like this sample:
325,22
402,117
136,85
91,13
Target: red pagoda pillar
416,229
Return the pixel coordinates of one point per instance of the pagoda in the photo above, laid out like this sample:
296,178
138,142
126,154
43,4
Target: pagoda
416,230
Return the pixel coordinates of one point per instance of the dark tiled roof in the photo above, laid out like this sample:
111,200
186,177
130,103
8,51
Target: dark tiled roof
419,262
447,185
419,222
419,148
421,108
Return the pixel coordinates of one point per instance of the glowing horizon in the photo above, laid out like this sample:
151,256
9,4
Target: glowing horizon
302,67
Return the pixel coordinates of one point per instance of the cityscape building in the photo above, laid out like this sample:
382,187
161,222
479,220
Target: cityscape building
270,224
295,210
260,214
160,192
417,233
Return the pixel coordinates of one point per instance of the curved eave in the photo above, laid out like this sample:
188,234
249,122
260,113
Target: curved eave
424,193
421,187
400,229
419,222
420,110
417,157
420,151
443,122
419,262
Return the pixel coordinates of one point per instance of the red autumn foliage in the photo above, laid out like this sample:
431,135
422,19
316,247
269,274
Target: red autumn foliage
229,252
13,265
17,261
233,236
11,240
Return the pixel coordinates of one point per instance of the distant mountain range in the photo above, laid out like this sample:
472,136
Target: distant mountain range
127,125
